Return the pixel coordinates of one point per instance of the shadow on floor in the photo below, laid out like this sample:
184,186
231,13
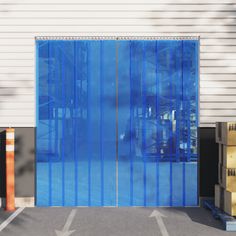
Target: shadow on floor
199,215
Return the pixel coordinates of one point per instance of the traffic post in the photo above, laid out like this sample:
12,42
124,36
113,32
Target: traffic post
10,169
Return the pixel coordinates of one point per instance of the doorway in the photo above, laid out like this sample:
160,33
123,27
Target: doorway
117,122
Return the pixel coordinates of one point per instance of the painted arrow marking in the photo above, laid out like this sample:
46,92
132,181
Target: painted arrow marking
65,231
158,215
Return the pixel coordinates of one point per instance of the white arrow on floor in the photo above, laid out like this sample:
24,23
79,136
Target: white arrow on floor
65,231
158,215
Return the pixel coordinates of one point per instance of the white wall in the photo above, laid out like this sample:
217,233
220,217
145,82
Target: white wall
21,20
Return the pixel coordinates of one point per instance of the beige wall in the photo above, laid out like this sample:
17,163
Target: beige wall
22,20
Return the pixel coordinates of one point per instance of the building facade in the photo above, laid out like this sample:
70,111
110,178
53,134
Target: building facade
21,21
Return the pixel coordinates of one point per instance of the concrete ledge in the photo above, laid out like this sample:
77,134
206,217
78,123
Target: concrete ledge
20,202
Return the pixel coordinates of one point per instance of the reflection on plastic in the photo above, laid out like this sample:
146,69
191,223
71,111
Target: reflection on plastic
157,123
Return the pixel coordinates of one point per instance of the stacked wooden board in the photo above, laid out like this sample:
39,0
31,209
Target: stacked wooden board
225,191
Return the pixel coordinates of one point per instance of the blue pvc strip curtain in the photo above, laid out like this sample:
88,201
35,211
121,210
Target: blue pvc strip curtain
158,120
117,123
76,160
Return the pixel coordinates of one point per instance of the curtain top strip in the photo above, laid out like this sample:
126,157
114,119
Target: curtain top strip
117,38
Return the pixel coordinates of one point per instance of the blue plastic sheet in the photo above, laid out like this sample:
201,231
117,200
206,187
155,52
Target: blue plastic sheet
117,123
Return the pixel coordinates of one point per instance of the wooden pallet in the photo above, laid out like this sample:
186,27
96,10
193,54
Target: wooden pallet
228,221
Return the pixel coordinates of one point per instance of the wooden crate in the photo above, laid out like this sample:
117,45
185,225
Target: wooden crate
225,200
228,178
230,203
226,133
227,156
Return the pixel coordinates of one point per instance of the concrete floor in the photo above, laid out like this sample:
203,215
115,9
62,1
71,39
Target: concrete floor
113,222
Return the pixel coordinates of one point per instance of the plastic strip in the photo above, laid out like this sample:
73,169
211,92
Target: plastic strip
63,107
101,121
49,124
144,108
75,132
157,122
131,127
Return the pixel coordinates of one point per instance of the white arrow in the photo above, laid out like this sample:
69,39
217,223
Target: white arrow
65,231
158,215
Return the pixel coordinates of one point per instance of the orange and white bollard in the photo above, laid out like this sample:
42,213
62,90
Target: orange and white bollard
10,169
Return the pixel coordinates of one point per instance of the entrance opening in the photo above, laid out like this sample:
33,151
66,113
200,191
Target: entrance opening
117,122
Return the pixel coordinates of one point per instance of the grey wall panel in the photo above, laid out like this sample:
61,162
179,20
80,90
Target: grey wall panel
24,162
208,162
